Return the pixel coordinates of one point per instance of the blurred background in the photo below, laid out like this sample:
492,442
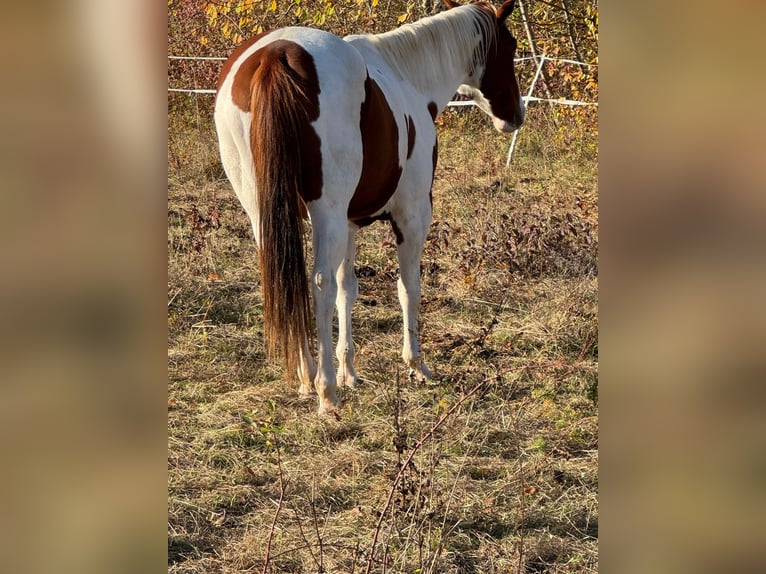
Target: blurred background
81,304
682,326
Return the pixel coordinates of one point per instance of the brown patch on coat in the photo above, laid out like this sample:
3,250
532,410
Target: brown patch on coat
410,136
238,51
385,216
286,57
498,83
380,155
434,157
433,110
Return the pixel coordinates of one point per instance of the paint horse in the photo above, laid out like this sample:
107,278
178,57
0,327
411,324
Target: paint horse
342,130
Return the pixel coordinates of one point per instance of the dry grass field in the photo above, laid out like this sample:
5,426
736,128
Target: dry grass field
490,467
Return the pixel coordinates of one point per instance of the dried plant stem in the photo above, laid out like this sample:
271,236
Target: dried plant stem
403,468
267,559
320,563
521,529
553,365
308,545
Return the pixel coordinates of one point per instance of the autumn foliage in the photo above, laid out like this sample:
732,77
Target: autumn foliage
565,29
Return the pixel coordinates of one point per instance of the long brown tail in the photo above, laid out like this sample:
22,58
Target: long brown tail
278,109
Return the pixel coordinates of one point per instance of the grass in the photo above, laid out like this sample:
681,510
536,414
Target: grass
507,483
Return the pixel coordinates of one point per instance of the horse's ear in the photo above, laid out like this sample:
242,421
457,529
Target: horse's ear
450,4
505,10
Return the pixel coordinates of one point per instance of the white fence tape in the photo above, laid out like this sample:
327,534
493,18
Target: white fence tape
455,103
206,58
186,91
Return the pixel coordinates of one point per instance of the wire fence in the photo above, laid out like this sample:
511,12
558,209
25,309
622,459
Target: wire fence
528,98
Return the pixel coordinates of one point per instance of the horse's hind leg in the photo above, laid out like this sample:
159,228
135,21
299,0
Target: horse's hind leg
307,370
329,240
348,291
412,233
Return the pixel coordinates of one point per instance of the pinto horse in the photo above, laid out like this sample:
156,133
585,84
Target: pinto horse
342,130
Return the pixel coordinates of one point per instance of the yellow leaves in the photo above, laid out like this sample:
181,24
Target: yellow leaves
441,406
402,18
212,13
273,6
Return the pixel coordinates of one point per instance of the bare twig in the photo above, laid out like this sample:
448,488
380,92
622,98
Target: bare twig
356,555
553,365
522,510
308,544
267,559
533,47
403,468
320,564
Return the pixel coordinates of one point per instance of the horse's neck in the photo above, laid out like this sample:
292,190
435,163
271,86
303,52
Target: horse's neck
435,54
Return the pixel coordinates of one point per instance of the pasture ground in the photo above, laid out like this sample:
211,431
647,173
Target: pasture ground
507,483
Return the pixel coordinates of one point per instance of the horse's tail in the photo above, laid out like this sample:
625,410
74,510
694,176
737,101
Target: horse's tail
278,108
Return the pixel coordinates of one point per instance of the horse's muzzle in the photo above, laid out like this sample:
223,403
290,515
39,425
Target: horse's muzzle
503,126
515,123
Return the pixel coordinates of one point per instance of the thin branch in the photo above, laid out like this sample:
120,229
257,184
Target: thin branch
533,47
267,559
308,544
356,555
564,9
571,30
320,564
553,365
392,491
521,526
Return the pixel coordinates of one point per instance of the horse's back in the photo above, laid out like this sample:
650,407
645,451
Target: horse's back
364,130
332,74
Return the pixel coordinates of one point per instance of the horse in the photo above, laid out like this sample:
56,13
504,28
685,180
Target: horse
342,131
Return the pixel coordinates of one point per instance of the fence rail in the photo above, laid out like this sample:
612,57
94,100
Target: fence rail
528,98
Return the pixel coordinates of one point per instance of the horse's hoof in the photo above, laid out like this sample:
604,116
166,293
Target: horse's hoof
328,405
348,380
422,373
306,391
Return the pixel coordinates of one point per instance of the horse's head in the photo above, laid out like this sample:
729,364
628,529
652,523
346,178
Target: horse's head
493,86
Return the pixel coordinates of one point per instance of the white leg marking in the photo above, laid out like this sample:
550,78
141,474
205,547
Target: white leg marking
329,250
307,371
348,291
408,286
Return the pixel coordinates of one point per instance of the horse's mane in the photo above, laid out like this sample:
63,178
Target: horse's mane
419,51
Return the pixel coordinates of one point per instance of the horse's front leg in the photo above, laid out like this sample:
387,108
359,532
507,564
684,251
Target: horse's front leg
348,291
409,251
